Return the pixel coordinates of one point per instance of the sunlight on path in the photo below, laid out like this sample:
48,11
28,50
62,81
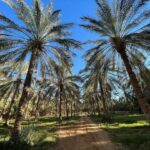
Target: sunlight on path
84,136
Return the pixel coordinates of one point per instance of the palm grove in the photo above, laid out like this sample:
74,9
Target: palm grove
36,61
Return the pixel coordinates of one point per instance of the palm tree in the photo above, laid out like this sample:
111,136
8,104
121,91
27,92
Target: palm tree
9,86
98,83
72,95
64,86
123,29
38,94
15,84
38,37
5,93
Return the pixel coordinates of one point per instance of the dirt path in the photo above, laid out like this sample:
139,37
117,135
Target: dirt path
84,136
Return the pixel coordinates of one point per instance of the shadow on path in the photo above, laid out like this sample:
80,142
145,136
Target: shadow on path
84,135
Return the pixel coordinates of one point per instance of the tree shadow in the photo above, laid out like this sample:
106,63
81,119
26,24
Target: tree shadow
42,124
84,136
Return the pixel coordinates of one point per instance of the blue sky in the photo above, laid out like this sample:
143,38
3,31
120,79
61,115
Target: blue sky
72,11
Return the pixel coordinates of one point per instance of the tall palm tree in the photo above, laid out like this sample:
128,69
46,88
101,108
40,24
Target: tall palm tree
39,38
123,29
38,90
8,86
15,72
99,83
64,86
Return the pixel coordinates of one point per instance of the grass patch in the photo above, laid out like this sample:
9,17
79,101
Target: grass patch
44,127
131,131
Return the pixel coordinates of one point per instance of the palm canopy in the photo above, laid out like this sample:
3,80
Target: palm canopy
64,79
40,31
123,28
100,74
120,25
98,83
11,77
39,38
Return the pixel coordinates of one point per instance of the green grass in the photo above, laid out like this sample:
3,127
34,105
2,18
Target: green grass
45,127
131,132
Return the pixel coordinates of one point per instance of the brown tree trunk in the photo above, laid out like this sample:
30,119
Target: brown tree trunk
67,110
15,136
103,100
37,107
26,115
71,109
4,105
98,107
137,89
92,107
56,109
11,104
60,103
74,108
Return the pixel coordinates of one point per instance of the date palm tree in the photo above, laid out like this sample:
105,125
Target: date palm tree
63,86
123,29
39,38
8,84
99,82
13,83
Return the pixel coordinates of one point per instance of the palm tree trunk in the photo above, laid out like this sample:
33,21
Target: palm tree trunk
10,106
66,105
74,108
60,103
103,100
92,107
4,106
1,111
98,107
26,110
137,89
37,107
56,109
67,111
23,100
71,109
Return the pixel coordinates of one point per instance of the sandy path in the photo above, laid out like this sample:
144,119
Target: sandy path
84,136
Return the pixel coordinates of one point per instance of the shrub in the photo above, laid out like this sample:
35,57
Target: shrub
31,136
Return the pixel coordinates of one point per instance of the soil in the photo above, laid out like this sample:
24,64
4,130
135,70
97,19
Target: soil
84,135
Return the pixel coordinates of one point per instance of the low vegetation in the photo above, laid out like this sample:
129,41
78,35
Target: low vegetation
130,132
37,134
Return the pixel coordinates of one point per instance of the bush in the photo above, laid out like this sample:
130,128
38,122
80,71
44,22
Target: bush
31,136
